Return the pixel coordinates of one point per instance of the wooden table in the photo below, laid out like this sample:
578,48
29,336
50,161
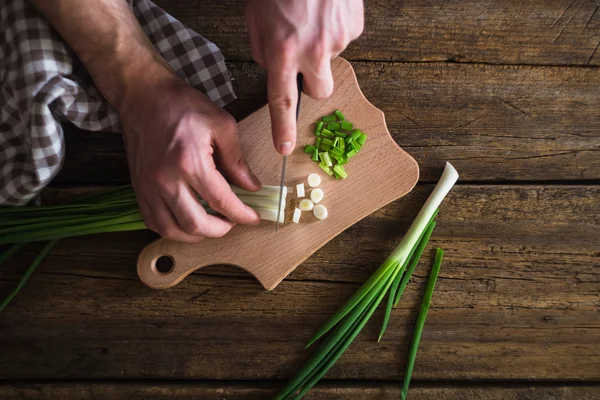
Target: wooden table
508,91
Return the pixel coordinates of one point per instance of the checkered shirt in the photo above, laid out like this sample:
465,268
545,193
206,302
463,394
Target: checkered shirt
42,83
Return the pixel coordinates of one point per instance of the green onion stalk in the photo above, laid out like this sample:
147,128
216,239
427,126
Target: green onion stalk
112,210
389,279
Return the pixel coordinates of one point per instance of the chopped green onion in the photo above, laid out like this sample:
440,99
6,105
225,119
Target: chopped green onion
346,125
327,133
327,141
327,160
339,115
341,144
336,141
414,345
318,127
351,153
325,147
309,149
334,126
329,118
327,169
356,146
340,134
355,134
318,145
362,138
315,155
336,151
339,170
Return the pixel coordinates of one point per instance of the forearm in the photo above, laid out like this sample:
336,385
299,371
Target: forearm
109,41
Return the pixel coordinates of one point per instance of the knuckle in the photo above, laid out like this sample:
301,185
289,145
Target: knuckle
219,203
158,176
319,49
193,228
282,102
285,50
167,232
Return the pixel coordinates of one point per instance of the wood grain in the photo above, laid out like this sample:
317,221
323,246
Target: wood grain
518,298
493,123
255,248
261,391
551,32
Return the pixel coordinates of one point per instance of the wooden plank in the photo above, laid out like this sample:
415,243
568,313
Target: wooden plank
493,123
517,298
507,32
247,391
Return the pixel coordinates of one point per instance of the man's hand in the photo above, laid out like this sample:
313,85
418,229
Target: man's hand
288,37
175,136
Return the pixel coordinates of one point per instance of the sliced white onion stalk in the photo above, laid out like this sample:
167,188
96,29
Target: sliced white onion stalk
300,190
316,195
306,205
297,214
314,180
265,201
320,211
448,179
265,191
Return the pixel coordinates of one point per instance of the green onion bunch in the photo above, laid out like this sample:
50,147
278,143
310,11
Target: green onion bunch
390,279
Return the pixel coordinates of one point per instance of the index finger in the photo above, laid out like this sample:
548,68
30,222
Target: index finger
214,189
282,94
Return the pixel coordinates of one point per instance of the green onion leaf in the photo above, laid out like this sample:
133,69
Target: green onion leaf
309,149
329,118
327,169
334,126
362,139
327,134
318,127
339,170
315,155
414,346
30,270
355,134
412,260
346,125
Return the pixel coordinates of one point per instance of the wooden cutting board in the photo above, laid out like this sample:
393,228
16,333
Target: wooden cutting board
381,173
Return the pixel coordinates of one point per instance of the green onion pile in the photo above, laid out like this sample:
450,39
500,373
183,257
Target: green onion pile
390,279
336,141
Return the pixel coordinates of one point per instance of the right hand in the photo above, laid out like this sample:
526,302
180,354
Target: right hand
175,139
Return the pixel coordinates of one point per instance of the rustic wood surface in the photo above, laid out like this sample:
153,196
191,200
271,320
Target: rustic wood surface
506,91
244,391
494,123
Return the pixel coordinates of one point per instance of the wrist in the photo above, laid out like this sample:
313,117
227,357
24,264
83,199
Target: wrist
121,78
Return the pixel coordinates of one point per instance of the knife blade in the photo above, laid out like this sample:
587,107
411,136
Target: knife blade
299,81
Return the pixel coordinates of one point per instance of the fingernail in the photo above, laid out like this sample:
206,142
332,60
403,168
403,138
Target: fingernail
254,214
255,179
286,148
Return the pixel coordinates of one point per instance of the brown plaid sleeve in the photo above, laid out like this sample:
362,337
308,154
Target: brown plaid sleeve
41,83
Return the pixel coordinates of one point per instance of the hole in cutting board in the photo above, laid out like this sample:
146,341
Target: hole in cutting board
164,264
